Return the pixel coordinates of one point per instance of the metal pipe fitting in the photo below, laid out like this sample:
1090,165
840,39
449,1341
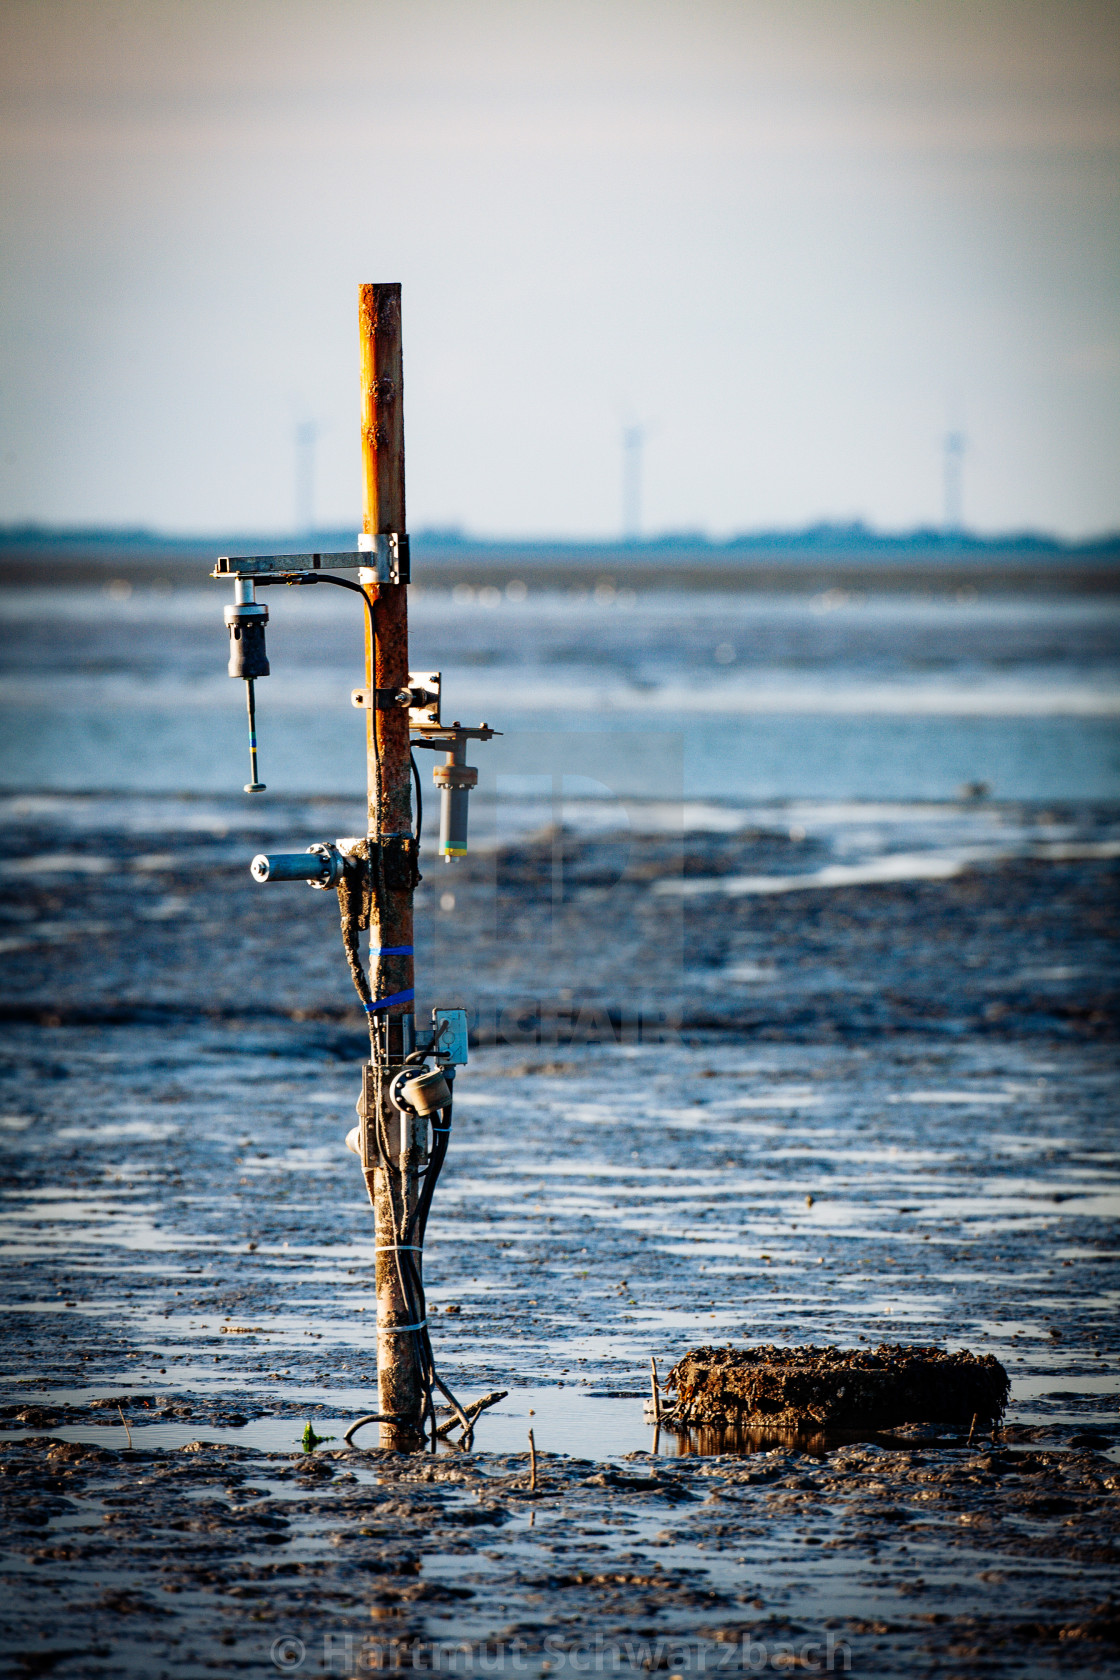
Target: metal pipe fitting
420,1091
427,1093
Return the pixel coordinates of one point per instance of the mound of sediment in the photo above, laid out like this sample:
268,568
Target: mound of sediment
829,1387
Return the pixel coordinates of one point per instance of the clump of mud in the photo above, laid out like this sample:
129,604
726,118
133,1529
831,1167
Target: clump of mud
872,1388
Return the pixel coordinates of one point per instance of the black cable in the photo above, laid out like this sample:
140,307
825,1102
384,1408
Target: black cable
410,1277
375,861
440,1142
419,798
357,589
400,1232
376,877
408,1252
324,577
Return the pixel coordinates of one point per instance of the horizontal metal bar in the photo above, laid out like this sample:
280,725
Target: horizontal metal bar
385,555
257,565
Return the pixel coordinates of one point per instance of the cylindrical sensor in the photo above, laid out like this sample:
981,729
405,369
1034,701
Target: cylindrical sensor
454,780
247,656
321,865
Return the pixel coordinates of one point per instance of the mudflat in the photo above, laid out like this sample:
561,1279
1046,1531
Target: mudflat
847,1114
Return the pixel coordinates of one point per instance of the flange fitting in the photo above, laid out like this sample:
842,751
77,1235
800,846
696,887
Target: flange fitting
423,1093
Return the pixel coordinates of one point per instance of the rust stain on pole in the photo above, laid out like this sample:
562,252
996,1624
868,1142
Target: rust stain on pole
393,1186
383,511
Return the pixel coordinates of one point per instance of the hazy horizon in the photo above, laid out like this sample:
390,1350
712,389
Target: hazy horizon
855,532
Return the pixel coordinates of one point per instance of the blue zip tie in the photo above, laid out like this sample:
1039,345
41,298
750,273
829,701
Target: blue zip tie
394,997
393,951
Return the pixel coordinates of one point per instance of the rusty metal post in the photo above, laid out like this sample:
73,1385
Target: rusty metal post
393,1183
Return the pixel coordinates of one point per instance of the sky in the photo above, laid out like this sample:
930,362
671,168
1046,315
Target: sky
795,241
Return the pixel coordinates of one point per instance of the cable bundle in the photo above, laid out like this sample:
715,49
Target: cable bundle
408,1246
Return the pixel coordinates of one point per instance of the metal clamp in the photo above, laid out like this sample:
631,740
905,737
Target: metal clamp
380,699
388,556
422,697
425,688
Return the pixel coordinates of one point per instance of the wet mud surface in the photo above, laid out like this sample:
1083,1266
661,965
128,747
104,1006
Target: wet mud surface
919,1557
866,1113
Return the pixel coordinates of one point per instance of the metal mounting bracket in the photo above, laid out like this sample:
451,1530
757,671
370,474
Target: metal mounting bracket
380,699
421,697
426,688
445,736
385,557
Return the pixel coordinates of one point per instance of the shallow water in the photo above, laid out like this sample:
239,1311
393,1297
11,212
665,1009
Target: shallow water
766,697
573,1240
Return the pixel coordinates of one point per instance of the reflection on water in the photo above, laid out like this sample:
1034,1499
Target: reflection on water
586,1428
775,699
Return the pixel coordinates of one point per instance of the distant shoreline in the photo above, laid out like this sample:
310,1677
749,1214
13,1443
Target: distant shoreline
819,558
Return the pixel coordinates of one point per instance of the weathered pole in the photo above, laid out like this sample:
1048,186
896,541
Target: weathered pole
393,1183
376,875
